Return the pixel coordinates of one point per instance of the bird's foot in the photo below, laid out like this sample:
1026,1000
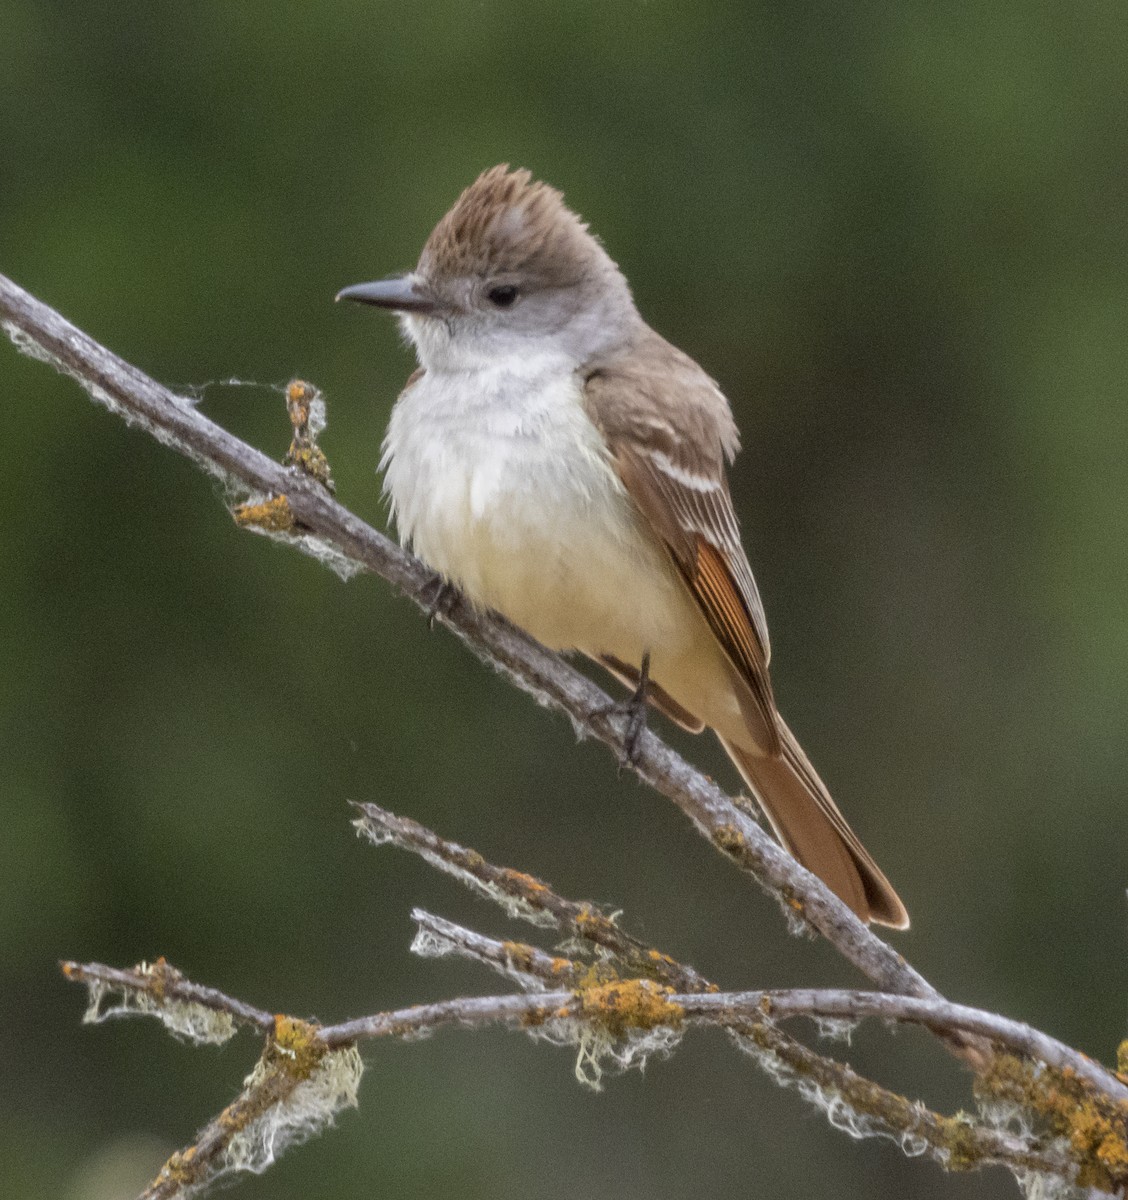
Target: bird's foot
438,598
634,710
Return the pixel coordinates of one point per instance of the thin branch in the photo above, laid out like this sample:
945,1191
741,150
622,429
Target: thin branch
296,1090
863,1108
320,526
163,982
526,897
937,1015
470,1012
297,1052
528,966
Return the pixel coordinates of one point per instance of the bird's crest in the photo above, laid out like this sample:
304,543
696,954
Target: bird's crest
506,221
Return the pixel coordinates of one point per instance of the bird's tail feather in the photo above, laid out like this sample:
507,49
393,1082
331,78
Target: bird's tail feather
807,821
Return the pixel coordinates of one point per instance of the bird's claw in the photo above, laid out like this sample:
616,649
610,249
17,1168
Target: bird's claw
438,599
633,709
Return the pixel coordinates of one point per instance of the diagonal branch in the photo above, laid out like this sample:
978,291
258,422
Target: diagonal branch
308,517
320,526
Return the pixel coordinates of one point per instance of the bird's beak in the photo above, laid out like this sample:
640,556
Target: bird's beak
400,293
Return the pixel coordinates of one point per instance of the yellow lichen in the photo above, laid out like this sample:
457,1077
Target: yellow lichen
273,516
598,973
298,1045
307,416
180,1167
1095,1125
311,460
630,1004
729,839
959,1138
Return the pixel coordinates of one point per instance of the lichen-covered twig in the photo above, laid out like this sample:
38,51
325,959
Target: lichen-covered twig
295,1091
528,966
940,1016
306,407
320,526
1094,1098
307,1073
161,989
166,987
526,897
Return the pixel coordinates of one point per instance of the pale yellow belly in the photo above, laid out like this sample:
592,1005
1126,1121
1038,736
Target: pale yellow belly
587,577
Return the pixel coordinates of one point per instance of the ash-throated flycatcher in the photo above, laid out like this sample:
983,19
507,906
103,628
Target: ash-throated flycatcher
558,461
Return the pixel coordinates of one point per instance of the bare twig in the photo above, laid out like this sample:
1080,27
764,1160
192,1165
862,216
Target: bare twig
322,527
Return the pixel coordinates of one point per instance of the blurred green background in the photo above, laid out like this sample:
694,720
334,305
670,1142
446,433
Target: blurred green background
895,233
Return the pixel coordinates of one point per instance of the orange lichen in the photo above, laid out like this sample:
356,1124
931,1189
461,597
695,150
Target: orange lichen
594,925
520,883
521,957
629,1004
161,974
273,516
299,399
297,1044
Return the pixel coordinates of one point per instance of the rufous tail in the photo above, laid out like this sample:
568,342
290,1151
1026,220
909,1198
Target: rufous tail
807,821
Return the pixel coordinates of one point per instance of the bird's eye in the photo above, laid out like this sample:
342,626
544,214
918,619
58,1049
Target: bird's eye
503,295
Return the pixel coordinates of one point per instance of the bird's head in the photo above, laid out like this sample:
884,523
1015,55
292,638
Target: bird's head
510,271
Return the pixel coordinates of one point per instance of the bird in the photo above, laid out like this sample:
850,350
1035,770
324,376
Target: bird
555,459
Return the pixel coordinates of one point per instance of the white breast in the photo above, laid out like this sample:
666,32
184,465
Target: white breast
500,481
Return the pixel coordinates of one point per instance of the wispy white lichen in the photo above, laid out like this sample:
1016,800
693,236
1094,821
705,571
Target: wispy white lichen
310,1108
182,1018
514,906
437,938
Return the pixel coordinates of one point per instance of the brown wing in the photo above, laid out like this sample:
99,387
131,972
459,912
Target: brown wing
672,463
